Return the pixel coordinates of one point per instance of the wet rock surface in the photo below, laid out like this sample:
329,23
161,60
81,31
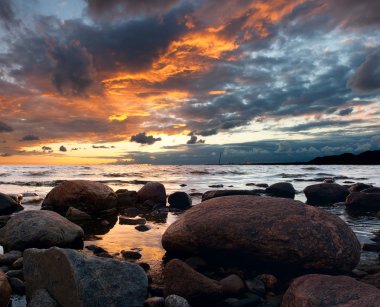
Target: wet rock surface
281,189
85,195
40,229
8,205
90,281
325,194
324,290
268,230
359,201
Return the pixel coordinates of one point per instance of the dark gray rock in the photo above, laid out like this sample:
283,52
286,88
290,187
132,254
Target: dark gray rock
17,285
8,205
131,254
232,285
10,257
40,229
281,189
143,228
126,198
89,281
176,301
42,298
16,273
359,201
325,194
123,220
180,200
76,215
131,212
256,286
18,264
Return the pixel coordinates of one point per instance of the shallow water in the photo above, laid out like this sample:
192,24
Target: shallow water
41,179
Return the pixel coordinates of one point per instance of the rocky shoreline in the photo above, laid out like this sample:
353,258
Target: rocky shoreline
255,247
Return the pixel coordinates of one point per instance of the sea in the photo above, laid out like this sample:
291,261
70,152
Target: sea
35,181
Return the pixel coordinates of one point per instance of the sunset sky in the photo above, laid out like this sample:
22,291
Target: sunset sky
180,81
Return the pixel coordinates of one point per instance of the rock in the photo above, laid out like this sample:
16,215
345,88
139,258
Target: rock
281,189
143,228
16,273
155,301
216,186
246,302
9,258
8,205
358,187
275,231
372,279
358,273
96,249
180,200
262,185
131,254
17,285
40,229
359,201
323,194
371,247
232,285
153,191
90,281
5,290
256,286
4,219
324,290
76,215
329,180
272,302
42,298
176,301
131,212
182,280
220,193
197,263
372,190
18,263
85,195
123,220
126,198
270,281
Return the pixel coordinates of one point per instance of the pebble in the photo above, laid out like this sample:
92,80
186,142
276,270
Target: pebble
176,301
143,228
131,221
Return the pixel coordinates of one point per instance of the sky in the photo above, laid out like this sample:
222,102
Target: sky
181,82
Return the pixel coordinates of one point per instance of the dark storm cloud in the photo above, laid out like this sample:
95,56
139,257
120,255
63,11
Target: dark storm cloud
142,138
194,140
345,112
112,9
73,71
367,76
102,146
321,124
29,137
7,15
62,148
5,128
47,149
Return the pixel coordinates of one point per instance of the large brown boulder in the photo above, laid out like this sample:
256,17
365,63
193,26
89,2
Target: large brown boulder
40,229
331,291
265,229
181,279
323,194
8,205
281,189
360,201
74,279
85,195
154,192
5,290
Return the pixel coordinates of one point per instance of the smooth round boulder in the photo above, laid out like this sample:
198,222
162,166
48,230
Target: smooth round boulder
331,291
358,187
281,189
371,190
265,229
85,195
359,201
74,279
325,194
176,301
40,229
8,205
5,290
180,200
152,191
221,193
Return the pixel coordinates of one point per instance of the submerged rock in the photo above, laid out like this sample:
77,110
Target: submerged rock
85,195
8,205
276,231
74,279
180,200
182,280
154,192
332,291
281,189
358,187
323,194
220,193
359,201
40,229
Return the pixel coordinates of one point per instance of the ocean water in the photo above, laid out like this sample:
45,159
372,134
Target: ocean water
194,179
